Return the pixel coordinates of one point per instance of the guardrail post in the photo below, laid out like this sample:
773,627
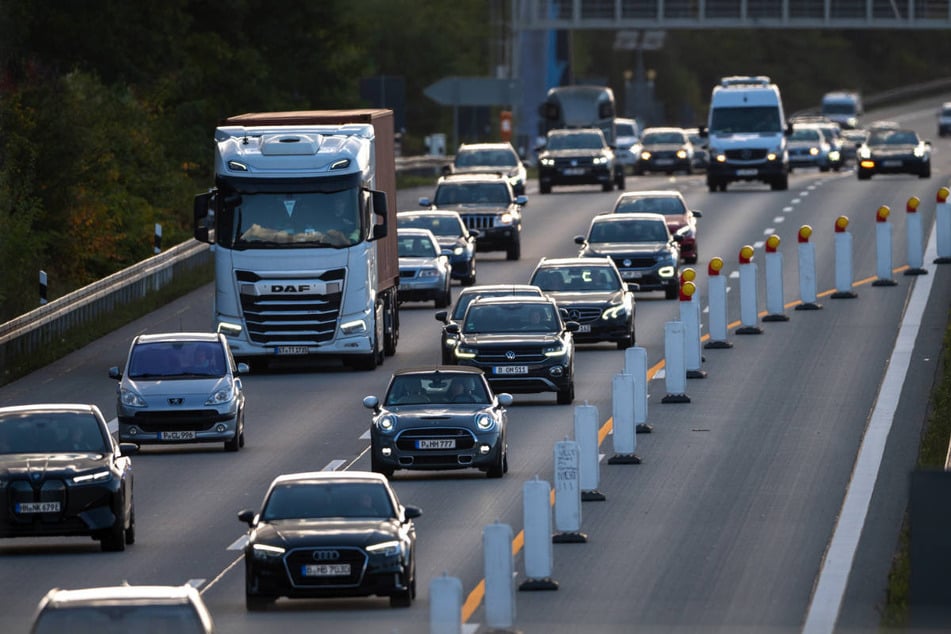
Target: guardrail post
539,553
445,605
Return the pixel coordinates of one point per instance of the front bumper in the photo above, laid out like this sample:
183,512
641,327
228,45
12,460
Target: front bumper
158,427
399,451
85,510
586,175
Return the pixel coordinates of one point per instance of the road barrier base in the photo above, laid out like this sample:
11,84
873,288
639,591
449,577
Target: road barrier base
884,282
809,306
569,538
643,428
718,345
844,295
916,271
675,398
777,317
696,374
749,330
592,496
538,584
624,458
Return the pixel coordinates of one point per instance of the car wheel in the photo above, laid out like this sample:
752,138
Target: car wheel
470,279
606,187
620,181
498,468
925,173
130,532
544,188
864,175
444,299
626,342
671,292
378,467
780,184
256,602
113,540
824,168
566,395
233,444
514,251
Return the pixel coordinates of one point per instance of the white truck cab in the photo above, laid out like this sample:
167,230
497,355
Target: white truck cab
746,132
843,107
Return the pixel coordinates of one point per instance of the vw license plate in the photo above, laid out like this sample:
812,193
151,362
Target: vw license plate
510,369
37,507
325,570
439,443
747,172
290,350
177,435
573,171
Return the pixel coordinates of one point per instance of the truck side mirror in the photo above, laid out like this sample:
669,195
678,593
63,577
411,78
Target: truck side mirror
202,216
379,209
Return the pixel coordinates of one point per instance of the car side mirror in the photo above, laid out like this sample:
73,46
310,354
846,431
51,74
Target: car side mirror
505,399
521,200
474,233
246,516
371,402
128,449
696,213
633,286
572,326
243,368
115,374
452,329
442,316
412,512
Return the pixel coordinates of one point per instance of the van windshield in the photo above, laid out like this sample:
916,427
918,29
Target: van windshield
730,120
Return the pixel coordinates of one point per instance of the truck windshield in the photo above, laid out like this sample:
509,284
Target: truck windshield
730,120
299,219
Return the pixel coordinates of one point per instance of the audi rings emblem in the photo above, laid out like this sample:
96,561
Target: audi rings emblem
510,355
326,555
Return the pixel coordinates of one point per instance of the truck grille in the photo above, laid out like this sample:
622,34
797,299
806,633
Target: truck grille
288,319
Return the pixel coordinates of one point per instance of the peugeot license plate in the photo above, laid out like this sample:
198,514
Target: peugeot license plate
510,369
24,508
438,443
325,570
177,435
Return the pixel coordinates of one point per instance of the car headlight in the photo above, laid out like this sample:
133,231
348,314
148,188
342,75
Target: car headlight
834,155
557,350
506,218
265,551
771,156
386,423
224,395
547,162
681,154
919,151
465,352
131,398
814,151
666,271
719,157
484,421
864,153
458,250
645,155
614,312
95,476
387,549
428,273
600,160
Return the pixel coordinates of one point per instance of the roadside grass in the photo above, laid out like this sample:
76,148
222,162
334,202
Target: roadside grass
932,455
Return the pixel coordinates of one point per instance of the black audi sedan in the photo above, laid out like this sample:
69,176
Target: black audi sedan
62,474
330,534
442,417
520,343
593,294
893,151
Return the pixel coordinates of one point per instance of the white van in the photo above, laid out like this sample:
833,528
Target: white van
746,134
843,107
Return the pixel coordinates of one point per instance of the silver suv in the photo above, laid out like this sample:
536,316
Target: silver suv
180,387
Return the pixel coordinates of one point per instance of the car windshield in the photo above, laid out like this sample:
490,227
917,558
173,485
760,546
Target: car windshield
632,231
663,138
459,310
492,158
415,247
839,107
438,388
582,141
472,194
892,137
667,205
114,618
326,500
51,432
730,120
505,318
577,279
439,225
804,134
625,129
176,359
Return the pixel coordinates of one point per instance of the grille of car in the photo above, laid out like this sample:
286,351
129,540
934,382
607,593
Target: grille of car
577,161
404,273
634,262
519,354
289,319
663,154
406,441
53,490
295,560
584,314
746,154
176,420
480,221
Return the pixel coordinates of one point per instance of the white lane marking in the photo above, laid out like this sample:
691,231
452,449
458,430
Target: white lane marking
195,583
734,274
833,577
758,244
804,193
768,231
660,374
239,543
334,465
786,210
795,201
366,435
779,219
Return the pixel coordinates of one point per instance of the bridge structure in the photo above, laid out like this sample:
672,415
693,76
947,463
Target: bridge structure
731,14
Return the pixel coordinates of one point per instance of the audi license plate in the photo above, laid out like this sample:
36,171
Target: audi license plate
510,369
573,171
748,172
177,435
37,507
439,443
325,570
290,350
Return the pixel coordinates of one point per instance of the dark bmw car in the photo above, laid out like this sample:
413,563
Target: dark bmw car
62,474
443,417
578,157
447,341
520,343
591,291
892,151
452,234
330,534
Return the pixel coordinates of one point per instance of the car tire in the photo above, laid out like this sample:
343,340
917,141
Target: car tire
824,168
444,299
619,181
864,175
401,599
256,602
606,187
780,184
925,173
378,467
113,540
514,251
497,470
566,395
671,292
130,532
470,279
544,188
234,444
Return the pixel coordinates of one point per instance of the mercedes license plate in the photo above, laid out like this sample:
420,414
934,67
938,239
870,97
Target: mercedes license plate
438,443
325,570
291,350
37,507
584,328
631,275
177,435
510,369
747,172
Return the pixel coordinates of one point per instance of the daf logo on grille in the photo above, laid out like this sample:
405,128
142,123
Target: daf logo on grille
326,555
510,355
573,315
176,401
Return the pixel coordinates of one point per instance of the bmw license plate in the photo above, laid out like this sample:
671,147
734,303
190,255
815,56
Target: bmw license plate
325,570
510,369
24,508
747,172
177,435
290,350
438,443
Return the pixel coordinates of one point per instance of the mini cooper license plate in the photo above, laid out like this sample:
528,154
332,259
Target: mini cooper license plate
510,369
24,508
177,435
325,570
437,443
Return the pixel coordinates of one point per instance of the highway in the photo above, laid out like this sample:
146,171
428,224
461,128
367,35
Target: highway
722,528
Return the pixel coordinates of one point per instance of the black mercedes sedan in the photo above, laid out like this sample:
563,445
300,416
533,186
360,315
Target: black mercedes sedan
330,534
62,474
442,417
893,151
